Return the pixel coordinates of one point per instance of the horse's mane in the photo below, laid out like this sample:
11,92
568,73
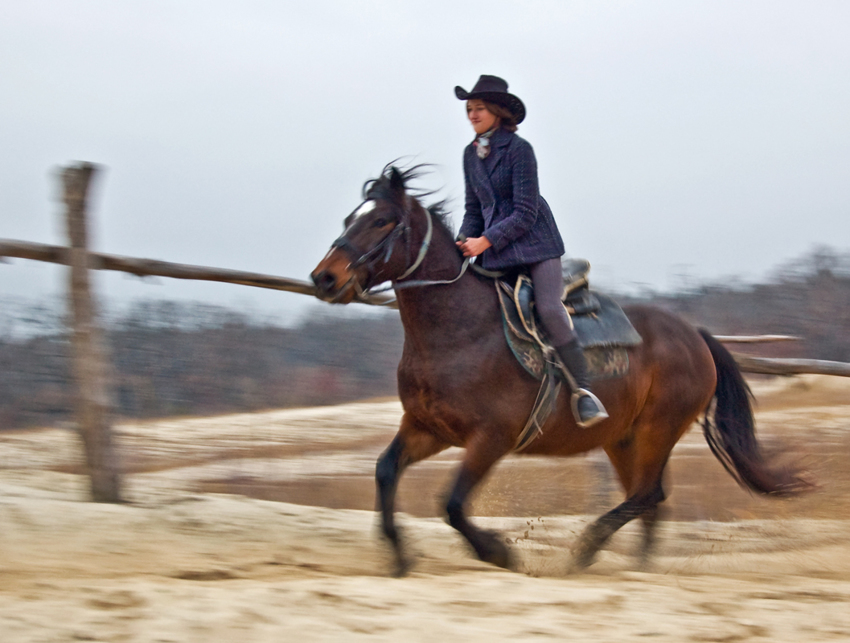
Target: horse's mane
379,188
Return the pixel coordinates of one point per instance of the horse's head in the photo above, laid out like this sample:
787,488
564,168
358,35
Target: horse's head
371,250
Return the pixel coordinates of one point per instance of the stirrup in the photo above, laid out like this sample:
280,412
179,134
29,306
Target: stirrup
601,414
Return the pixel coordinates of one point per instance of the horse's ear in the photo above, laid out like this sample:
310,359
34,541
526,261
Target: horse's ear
396,182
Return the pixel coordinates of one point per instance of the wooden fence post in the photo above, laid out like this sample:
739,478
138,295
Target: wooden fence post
90,368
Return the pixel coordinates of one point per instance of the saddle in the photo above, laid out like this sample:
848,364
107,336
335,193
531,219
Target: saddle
602,328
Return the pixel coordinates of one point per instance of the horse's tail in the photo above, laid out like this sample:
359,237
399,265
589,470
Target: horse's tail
731,435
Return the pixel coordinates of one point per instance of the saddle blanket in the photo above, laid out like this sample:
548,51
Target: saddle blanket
603,330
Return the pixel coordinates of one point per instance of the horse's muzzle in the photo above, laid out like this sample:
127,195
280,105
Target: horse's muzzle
325,282
334,280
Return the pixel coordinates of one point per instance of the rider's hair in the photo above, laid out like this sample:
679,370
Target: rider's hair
508,119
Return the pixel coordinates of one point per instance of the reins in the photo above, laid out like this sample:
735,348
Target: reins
423,250
388,244
467,263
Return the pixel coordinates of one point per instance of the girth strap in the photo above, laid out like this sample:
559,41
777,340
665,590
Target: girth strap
550,387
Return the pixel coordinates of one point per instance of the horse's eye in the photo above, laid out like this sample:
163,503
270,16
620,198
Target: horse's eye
379,223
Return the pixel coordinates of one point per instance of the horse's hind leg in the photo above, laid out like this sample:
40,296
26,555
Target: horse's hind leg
598,533
650,521
408,446
481,454
640,471
624,456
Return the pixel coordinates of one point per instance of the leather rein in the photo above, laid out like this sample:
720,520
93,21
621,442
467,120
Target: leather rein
387,246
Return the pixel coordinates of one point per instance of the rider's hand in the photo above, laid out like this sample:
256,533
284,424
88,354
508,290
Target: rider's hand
474,246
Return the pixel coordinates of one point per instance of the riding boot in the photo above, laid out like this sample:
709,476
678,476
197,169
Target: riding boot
587,409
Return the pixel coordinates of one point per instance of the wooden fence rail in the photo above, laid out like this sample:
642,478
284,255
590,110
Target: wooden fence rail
787,366
11,248
755,339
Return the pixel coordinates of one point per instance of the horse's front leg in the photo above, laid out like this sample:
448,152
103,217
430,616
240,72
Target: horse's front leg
408,446
481,454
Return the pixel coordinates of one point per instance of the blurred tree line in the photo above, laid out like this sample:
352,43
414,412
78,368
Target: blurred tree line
808,297
171,358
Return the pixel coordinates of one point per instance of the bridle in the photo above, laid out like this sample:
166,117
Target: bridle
386,246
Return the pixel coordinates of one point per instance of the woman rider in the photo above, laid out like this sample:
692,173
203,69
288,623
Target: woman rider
510,225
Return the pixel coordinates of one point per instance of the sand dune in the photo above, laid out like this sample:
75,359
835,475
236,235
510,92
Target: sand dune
180,565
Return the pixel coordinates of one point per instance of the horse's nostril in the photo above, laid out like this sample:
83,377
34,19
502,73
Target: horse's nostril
324,281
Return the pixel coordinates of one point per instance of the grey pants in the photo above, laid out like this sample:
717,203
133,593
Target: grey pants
548,286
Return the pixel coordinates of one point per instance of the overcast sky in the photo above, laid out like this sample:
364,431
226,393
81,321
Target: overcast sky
673,138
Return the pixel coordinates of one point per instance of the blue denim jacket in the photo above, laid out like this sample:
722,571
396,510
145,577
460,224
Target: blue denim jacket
503,203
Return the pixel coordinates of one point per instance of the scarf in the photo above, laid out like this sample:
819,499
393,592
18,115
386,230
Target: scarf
482,144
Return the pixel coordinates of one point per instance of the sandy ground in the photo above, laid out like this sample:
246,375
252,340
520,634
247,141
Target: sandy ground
178,565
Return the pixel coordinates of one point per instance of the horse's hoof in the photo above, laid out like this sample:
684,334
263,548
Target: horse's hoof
583,557
492,550
402,567
503,559
581,563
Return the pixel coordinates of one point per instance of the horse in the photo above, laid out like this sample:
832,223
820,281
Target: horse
460,385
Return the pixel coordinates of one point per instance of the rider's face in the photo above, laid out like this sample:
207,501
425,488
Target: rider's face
482,119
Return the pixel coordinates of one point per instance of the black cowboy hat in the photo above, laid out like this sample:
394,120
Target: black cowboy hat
494,90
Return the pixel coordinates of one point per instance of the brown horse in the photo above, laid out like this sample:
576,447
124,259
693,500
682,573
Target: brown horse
461,386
